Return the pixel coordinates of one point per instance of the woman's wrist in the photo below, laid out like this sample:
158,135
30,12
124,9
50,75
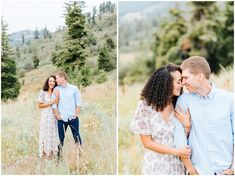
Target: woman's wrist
175,151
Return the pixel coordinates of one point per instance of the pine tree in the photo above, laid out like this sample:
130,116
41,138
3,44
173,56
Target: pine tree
100,11
18,52
72,55
10,86
36,34
110,43
46,33
105,59
22,39
202,32
94,14
35,60
225,47
166,47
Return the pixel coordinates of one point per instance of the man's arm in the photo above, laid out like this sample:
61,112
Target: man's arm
77,96
57,114
180,138
230,170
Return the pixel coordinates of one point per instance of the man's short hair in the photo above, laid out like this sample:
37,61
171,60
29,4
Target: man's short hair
197,64
62,74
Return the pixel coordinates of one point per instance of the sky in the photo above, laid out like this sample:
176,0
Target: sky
32,14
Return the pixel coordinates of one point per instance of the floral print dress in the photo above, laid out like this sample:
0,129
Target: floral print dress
48,133
148,121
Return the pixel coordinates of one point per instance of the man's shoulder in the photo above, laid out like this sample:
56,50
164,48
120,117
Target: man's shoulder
73,86
224,93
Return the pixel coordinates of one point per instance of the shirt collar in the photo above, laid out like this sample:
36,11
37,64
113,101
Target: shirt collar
65,86
211,95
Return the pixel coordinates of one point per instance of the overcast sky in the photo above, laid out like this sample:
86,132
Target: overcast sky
29,14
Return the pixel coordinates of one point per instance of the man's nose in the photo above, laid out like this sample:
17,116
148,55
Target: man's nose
183,81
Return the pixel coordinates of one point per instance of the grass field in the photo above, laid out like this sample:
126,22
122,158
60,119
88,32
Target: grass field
20,131
130,149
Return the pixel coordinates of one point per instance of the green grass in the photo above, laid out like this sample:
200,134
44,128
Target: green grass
130,148
20,131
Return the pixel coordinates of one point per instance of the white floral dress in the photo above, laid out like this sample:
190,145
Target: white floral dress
148,121
48,133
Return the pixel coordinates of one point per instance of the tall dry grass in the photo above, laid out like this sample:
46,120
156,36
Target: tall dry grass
130,148
20,131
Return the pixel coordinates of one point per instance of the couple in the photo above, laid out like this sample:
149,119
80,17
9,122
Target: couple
60,103
196,127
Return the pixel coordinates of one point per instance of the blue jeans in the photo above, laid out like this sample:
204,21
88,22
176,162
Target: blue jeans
74,126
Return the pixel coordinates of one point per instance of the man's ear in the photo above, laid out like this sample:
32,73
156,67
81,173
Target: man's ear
201,76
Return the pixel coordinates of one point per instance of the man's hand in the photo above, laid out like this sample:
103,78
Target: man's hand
228,172
77,113
58,117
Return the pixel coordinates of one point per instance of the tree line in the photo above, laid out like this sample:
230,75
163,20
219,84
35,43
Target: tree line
70,56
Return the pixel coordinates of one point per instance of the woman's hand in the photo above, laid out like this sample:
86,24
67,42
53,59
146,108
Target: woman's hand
183,152
184,118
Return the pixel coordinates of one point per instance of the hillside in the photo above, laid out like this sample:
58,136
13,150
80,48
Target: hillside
21,117
144,19
43,48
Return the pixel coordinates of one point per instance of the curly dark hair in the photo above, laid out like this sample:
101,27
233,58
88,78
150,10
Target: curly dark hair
159,88
45,87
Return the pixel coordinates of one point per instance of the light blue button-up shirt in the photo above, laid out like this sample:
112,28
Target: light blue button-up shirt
69,99
212,130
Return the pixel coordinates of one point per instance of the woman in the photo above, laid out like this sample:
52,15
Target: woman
154,122
48,136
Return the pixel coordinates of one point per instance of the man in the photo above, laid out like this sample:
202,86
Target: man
68,109
211,110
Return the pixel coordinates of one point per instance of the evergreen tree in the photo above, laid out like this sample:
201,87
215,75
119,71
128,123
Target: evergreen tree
35,60
10,86
89,17
202,32
18,52
36,34
94,14
22,39
110,43
46,33
112,8
166,47
105,59
72,55
225,33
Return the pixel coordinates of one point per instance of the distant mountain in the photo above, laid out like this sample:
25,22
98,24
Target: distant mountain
138,21
16,37
133,6
43,48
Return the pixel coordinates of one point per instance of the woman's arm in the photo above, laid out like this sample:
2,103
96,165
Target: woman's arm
164,149
189,166
184,118
45,105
